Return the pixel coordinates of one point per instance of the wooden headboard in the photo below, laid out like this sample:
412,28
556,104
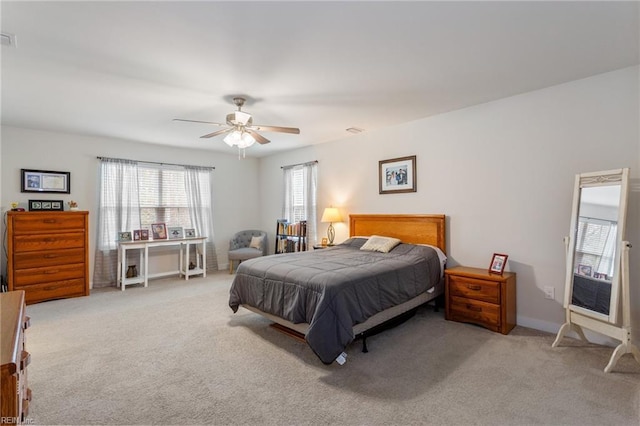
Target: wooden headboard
409,228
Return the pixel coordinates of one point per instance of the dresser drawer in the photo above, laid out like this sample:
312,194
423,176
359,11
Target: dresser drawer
39,259
486,291
28,277
23,243
469,310
47,222
55,290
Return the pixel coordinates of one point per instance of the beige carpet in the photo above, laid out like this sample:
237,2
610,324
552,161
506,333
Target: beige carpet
174,353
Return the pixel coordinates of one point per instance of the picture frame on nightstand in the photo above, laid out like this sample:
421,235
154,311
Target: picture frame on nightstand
498,263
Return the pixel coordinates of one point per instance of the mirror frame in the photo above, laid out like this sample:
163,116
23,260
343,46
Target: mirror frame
587,180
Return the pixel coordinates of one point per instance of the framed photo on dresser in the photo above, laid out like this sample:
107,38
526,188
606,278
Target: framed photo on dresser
498,263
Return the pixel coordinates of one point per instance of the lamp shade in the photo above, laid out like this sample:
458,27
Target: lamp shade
331,214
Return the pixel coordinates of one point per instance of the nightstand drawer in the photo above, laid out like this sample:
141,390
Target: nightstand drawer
469,310
487,291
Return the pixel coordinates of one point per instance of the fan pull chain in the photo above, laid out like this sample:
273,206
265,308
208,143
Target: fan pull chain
243,153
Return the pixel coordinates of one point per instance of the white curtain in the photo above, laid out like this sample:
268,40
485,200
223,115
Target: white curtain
198,184
300,186
118,210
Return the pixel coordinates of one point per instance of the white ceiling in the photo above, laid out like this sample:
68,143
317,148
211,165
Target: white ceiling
126,69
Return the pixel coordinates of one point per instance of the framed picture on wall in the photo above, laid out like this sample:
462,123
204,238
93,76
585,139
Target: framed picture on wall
45,181
397,175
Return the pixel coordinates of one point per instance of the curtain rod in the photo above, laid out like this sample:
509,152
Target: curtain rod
299,164
156,162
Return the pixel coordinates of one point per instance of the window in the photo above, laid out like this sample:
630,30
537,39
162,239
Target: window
135,195
297,212
300,183
163,198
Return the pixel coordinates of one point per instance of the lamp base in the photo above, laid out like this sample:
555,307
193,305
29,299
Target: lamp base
331,234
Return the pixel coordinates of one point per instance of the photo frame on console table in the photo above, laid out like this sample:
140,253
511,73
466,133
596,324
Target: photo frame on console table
45,181
159,231
397,175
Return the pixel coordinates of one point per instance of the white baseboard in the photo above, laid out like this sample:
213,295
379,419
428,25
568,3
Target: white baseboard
551,327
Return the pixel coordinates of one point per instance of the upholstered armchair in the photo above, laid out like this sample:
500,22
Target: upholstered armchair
247,245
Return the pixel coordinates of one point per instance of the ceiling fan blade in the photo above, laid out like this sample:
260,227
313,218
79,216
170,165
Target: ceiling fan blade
198,121
258,137
293,130
219,132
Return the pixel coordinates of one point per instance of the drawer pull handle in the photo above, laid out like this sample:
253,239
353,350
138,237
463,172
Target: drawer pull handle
51,272
25,359
474,287
474,308
50,256
48,221
52,287
49,240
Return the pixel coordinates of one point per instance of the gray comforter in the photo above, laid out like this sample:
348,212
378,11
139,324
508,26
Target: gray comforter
335,288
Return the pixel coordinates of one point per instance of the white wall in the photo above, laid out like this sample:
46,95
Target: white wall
502,172
235,193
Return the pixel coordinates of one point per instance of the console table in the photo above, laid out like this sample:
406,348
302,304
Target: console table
144,246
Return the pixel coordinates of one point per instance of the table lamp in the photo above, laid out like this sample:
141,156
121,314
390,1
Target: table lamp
331,214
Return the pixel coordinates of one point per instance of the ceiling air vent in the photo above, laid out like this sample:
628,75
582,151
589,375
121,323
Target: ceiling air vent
8,39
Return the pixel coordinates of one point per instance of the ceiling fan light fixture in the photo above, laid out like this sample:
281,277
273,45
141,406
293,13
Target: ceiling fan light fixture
240,139
247,140
232,138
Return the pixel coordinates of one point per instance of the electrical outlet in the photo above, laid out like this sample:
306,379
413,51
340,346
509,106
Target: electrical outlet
549,292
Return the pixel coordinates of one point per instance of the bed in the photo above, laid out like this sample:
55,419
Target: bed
330,296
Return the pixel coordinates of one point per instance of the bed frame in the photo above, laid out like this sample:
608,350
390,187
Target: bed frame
409,228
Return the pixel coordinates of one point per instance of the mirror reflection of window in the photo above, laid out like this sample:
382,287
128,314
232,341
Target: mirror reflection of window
597,231
596,247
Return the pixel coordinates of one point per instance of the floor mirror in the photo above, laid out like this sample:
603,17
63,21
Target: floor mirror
596,293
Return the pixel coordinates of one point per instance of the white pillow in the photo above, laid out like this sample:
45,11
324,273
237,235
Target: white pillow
381,244
256,243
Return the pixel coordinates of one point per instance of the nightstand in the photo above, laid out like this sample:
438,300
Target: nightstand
474,295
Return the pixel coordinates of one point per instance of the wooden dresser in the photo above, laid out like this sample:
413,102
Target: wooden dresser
48,254
15,395
476,296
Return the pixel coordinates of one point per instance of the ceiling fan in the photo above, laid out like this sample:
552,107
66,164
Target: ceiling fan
240,128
